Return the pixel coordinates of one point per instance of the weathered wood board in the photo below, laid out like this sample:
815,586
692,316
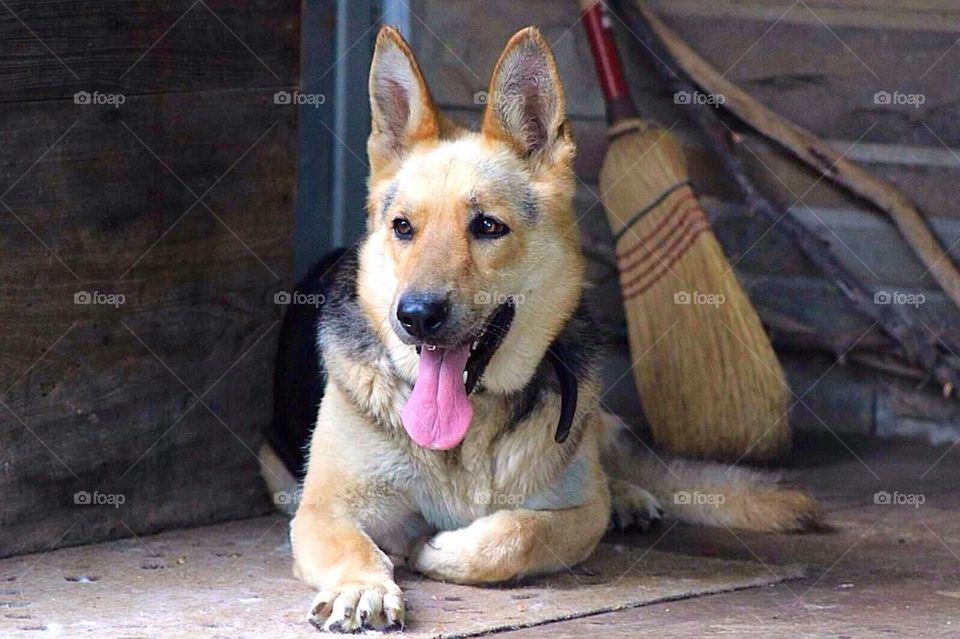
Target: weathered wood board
54,48
818,67
142,244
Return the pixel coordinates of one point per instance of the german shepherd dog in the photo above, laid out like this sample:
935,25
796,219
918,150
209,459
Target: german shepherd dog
460,430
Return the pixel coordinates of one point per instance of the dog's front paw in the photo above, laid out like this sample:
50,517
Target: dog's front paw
354,606
473,555
632,506
440,557
454,556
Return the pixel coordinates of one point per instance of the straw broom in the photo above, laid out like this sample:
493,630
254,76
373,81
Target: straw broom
709,381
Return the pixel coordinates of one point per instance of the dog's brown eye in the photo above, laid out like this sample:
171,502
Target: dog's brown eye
486,227
402,228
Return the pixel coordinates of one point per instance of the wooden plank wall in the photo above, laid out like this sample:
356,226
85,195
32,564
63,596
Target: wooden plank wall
180,200
819,63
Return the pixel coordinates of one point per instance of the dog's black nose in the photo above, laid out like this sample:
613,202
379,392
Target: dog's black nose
422,314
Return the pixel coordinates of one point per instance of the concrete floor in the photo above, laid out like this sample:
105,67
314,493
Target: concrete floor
884,570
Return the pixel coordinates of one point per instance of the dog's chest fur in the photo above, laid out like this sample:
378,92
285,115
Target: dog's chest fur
508,458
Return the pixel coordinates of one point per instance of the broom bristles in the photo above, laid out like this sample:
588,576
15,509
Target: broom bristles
709,380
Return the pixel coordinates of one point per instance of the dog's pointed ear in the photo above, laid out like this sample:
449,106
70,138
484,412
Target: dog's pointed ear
525,100
403,113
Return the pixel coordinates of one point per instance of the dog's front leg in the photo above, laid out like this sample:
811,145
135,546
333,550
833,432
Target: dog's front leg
515,543
332,550
353,576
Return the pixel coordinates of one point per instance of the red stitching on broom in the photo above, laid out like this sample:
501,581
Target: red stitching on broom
689,195
674,257
683,222
630,278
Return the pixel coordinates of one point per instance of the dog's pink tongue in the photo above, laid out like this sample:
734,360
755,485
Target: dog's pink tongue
438,412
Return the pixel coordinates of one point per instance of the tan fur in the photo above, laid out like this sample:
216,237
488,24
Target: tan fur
464,515
733,496
282,485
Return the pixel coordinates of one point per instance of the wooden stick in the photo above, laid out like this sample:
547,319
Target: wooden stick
813,152
916,342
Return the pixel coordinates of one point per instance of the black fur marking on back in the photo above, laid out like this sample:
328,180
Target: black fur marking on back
299,377
307,330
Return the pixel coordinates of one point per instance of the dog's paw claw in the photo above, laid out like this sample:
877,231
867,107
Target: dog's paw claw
632,507
358,606
394,611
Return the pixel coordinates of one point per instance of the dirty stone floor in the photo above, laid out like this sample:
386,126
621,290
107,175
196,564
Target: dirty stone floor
890,567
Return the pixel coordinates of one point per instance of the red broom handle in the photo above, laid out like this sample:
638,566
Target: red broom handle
597,22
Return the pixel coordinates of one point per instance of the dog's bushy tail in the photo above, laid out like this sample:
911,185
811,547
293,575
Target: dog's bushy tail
709,493
283,486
